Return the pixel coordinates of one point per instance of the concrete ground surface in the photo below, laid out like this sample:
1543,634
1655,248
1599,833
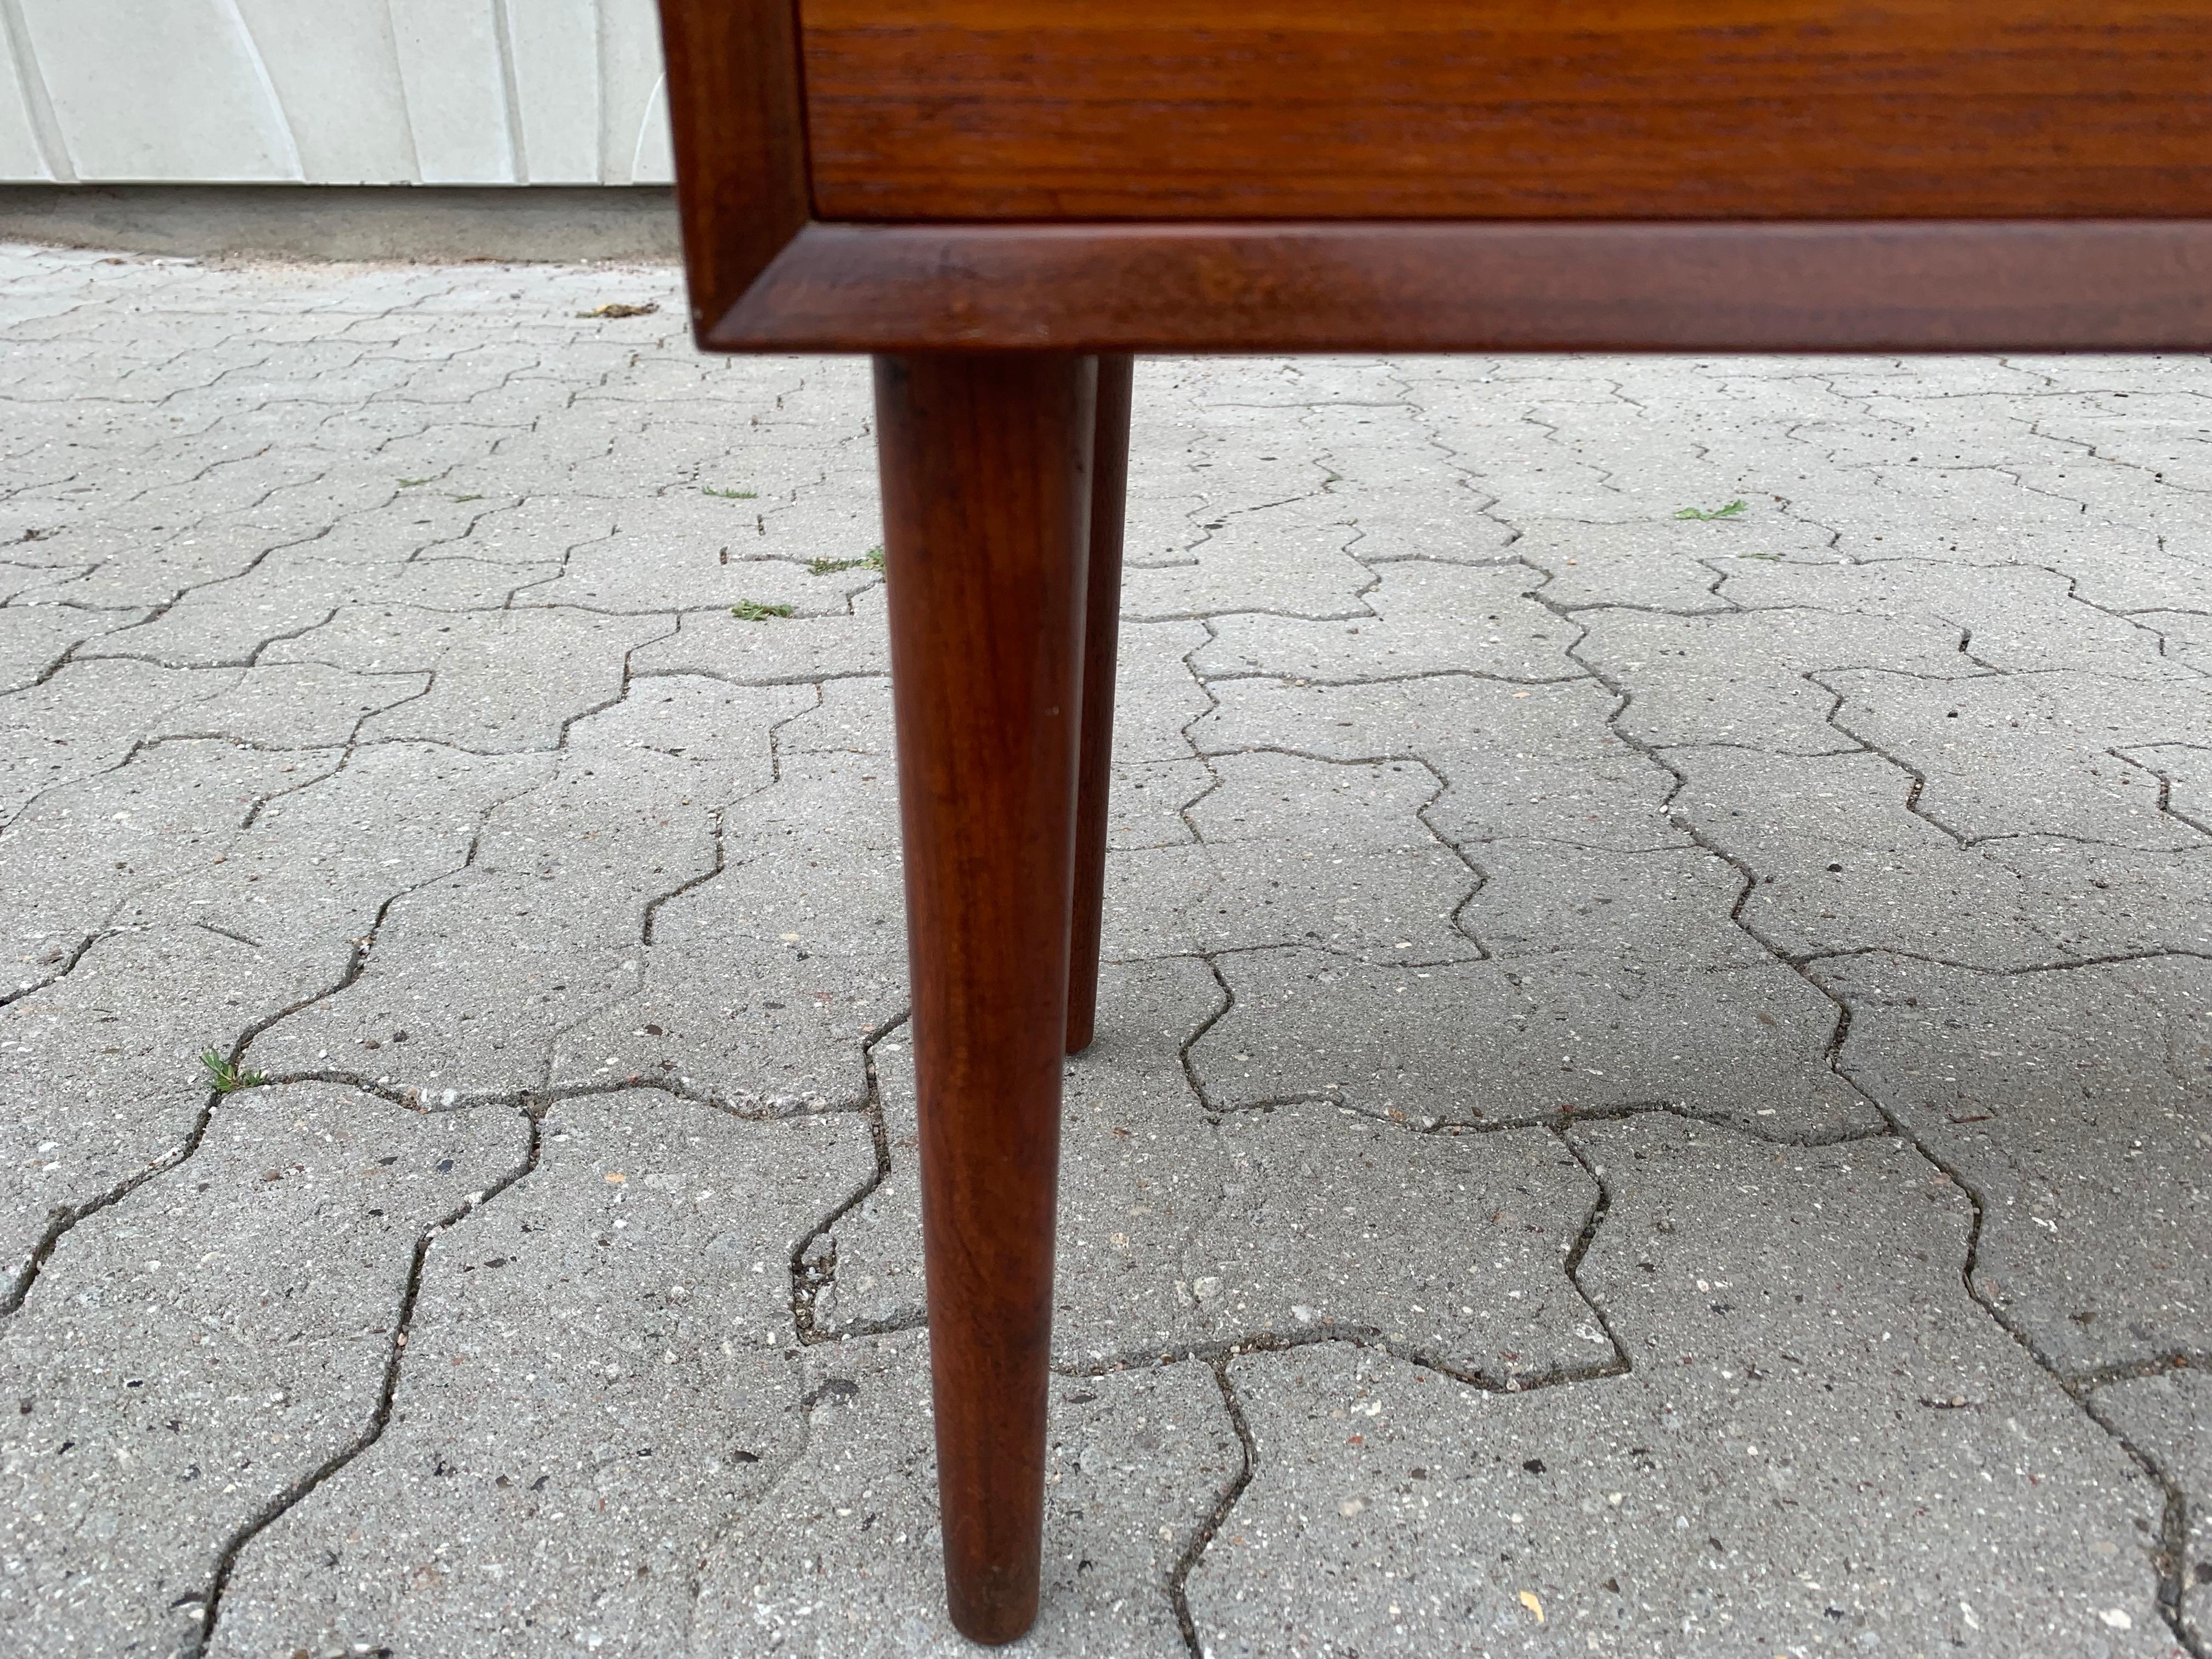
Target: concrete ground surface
1655,1092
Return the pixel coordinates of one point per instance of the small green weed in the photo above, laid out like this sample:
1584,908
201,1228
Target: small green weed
412,483
227,1077
1732,510
730,495
468,498
1771,558
754,610
873,560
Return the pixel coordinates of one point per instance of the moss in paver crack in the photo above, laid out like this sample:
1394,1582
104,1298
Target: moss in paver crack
872,560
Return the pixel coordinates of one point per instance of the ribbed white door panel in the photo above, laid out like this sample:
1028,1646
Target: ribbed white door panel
376,92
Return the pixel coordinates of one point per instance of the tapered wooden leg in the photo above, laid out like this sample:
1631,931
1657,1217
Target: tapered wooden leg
1102,629
987,502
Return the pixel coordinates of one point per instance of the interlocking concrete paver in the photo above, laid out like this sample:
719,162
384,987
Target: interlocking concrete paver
1537,761
160,1411
1750,678
773,651
1289,850
396,607
1524,1041
82,852
501,680
1667,564
759,984
842,1555
601,1372
1820,1442
2168,1419
473,978
99,1068
1844,864
2072,1103
2027,754
1291,558
1425,619
1194,1233
2015,619
36,639
291,592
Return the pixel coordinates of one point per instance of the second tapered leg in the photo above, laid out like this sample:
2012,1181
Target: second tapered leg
1109,489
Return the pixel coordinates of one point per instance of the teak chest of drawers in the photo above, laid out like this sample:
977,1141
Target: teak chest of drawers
1002,199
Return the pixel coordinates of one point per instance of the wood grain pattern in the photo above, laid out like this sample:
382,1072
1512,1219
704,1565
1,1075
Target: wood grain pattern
733,104
2088,286
986,464
983,110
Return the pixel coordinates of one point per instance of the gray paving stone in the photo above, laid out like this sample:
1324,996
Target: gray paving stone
1180,1233
287,596
309,472
485,971
2186,768
1844,864
758,985
2186,634
2168,1417
312,873
1742,678
160,1411
2014,619
773,651
842,1555
1661,908
2115,565
472,979
846,717
1148,804
86,719
1291,849
502,680
101,1068
1294,558
668,555
1425,619
1784,1469
84,851
2014,754
2105,901
599,1375
1666,564
2072,1104
1538,762
292,706
1527,1041
1156,695
35,639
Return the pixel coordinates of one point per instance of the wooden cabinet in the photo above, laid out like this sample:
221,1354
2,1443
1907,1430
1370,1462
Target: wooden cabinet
1003,199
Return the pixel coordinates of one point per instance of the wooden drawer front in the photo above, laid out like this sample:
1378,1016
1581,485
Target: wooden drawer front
1554,109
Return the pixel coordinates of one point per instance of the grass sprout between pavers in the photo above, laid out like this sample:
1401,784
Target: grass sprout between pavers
225,1077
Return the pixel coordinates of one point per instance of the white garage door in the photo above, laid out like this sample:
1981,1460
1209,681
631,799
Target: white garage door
353,92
